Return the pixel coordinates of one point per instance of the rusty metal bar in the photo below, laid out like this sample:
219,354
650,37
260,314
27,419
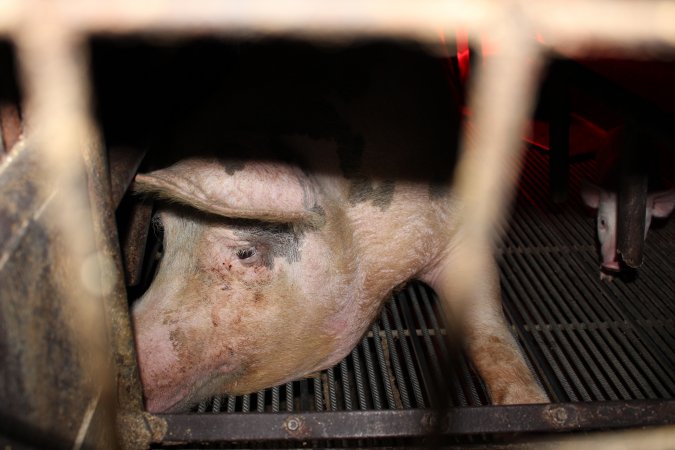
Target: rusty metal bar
134,241
124,163
10,126
632,200
408,423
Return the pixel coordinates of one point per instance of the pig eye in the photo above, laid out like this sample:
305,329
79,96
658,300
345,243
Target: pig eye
246,253
603,223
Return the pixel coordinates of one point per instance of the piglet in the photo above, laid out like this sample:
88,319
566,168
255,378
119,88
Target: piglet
603,198
275,266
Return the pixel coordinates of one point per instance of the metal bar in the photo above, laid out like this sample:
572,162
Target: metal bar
398,370
358,376
10,126
124,163
372,376
401,423
632,201
53,68
318,393
573,29
215,406
379,353
332,390
412,373
275,399
260,400
289,396
135,240
346,388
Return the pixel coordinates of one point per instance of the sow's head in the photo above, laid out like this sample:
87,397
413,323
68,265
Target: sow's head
252,286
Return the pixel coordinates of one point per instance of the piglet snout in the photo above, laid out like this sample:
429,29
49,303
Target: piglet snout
611,266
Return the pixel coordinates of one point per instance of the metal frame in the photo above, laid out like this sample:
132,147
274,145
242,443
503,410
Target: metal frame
416,422
50,38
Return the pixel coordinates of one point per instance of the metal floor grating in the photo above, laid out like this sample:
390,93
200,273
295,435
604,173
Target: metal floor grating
586,339
589,340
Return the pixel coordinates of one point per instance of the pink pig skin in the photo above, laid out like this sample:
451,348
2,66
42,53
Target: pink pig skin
274,268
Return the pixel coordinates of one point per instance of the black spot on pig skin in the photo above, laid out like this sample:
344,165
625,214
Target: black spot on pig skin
364,189
272,240
384,194
233,166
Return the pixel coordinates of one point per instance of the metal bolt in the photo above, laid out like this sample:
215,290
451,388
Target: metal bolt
558,416
292,424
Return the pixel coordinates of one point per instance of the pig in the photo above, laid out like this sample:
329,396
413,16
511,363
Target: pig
603,198
281,247
659,204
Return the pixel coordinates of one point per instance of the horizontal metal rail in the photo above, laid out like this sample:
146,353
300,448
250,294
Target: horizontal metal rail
575,25
417,422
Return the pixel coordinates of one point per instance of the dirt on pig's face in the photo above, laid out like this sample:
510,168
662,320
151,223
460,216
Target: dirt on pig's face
239,305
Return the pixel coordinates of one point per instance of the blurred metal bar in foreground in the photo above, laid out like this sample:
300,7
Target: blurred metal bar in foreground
571,28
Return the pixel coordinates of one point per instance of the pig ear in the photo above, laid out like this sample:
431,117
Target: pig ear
590,194
268,191
662,203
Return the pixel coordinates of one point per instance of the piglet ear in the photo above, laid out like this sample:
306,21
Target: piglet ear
590,194
262,190
662,203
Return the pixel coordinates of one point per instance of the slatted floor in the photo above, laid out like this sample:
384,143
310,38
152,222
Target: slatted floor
588,340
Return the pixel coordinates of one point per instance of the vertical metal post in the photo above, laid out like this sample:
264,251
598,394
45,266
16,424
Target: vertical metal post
53,64
632,200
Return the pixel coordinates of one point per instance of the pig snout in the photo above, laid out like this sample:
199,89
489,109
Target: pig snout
612,266
157,364
168,381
